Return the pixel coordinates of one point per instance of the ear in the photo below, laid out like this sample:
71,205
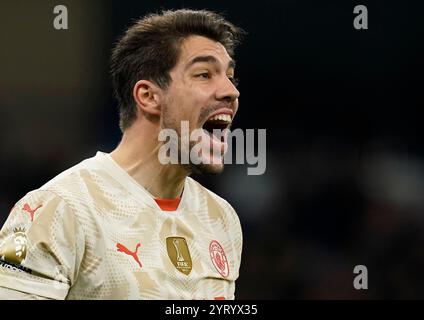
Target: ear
147,96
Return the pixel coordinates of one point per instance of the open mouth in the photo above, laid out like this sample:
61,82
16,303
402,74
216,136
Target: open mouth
219,122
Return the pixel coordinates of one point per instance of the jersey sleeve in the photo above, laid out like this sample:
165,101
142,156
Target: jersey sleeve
237,233
41,247
9,294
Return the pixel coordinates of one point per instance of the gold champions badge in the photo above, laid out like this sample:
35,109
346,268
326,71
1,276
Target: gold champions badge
179,254
14,249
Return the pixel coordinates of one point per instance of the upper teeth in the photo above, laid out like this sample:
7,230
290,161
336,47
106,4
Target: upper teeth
222,117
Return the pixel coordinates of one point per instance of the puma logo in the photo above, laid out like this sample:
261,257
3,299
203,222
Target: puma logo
122,248
31,212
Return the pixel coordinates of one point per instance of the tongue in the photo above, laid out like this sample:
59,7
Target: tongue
211,141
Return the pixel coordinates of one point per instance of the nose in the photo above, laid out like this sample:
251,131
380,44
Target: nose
226,90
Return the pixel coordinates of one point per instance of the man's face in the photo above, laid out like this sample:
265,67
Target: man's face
202,93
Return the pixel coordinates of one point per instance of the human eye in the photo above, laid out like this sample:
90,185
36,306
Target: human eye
235,81
203,75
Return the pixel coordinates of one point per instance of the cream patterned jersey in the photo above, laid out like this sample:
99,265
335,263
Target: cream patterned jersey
94,233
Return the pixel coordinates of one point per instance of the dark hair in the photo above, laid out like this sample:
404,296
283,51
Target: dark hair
151,48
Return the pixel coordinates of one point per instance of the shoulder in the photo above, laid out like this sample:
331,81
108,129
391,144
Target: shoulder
40,210
65,194
211,196
79,185
196,187
73,177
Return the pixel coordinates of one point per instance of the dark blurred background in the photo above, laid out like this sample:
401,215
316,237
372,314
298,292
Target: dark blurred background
345,157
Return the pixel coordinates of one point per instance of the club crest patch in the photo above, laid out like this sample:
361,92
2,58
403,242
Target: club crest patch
219,259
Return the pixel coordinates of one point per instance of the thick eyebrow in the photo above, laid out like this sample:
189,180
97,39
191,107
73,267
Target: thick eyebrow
209,59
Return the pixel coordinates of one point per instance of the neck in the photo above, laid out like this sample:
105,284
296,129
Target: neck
139,158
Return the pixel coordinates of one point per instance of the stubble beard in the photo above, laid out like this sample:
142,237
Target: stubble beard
169,122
